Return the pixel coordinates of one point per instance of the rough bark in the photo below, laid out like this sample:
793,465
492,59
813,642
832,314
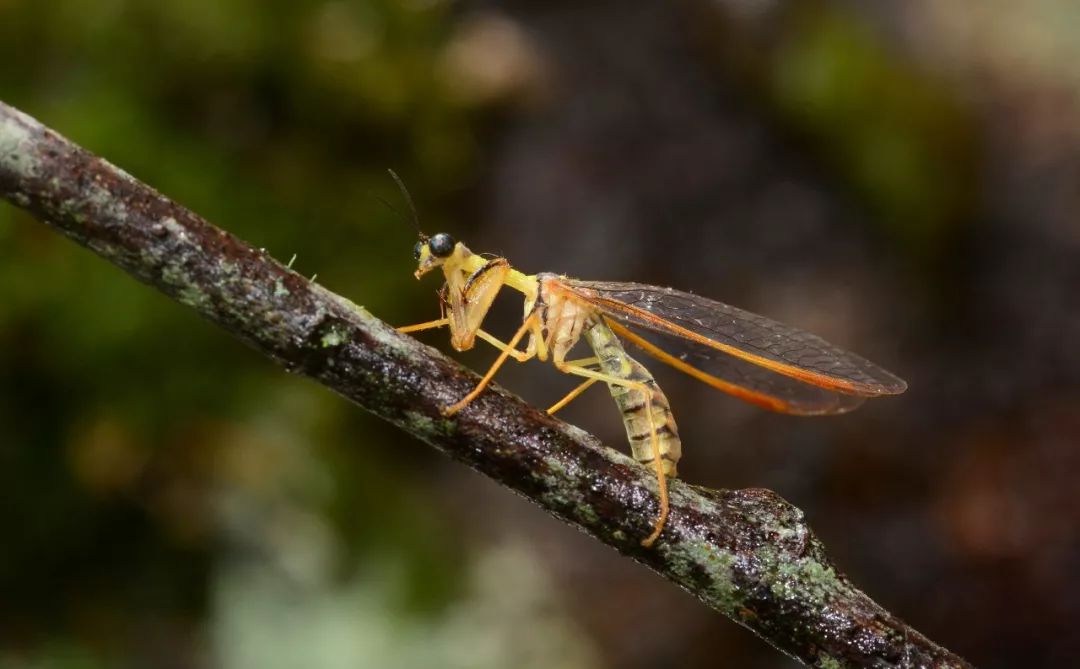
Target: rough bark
746,553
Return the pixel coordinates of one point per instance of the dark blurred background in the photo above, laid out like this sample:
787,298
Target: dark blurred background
902,178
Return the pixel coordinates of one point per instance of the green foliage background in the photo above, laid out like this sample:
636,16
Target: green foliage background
153,470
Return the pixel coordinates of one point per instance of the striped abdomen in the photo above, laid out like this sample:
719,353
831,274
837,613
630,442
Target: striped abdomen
642,410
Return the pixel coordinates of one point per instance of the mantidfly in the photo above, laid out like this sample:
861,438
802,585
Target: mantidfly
749,356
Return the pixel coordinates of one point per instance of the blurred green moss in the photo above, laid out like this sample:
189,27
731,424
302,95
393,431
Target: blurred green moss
141,447
895,133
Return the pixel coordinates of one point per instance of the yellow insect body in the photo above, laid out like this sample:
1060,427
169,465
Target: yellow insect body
555,322
740,353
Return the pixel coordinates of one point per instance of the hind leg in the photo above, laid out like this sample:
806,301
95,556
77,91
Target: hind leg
579,369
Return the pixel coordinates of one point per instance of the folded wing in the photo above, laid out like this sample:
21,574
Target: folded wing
747,355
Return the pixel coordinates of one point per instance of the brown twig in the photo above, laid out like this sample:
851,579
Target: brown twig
746,553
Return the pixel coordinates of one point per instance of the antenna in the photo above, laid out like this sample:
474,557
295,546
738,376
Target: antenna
408,200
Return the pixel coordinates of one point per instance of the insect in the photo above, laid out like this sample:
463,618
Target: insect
745,355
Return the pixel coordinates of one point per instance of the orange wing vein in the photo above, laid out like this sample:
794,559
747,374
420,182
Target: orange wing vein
699,327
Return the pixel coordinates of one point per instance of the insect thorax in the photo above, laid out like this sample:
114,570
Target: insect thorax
563,318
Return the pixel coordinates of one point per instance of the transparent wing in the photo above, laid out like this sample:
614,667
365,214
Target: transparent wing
745,380
712,332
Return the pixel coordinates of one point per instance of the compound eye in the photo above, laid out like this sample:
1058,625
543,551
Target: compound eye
441,245
417,249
